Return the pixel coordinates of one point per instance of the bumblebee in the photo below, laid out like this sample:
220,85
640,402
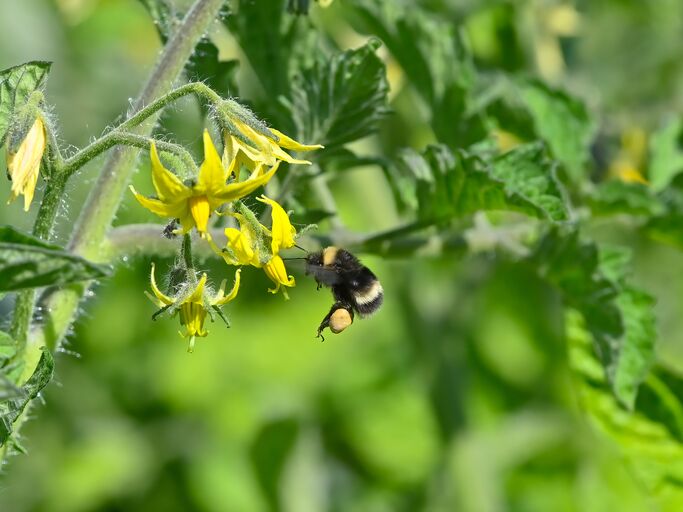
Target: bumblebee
354,287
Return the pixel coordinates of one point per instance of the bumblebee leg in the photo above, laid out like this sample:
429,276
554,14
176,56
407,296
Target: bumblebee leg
326,321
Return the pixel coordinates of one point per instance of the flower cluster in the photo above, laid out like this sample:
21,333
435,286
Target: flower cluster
216,190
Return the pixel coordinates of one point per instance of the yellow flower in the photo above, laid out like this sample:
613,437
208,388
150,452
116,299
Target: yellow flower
245,245
267,150
193,305
630,160
23,166
193,203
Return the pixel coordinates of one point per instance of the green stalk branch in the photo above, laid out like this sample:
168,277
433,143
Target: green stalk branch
125,139
42,228
97,214
197,88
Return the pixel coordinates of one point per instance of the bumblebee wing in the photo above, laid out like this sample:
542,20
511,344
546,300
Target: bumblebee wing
324,275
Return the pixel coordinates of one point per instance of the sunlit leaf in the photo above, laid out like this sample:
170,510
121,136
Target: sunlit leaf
619,317
563,122
442,185
340,99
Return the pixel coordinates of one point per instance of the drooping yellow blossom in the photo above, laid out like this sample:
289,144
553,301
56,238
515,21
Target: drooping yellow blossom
193,203
630,160
244,245
267,150
23,166
193,305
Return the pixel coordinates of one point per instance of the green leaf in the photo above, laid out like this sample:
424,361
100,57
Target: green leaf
619,317
7,346
530,173
268,38
563,122
436,60
617,197
649,437
16,85
666,154
10,411
269,454
667,227
443,185
340,99
27,262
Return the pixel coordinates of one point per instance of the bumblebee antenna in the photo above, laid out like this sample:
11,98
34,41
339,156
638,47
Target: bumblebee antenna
288,259
299,247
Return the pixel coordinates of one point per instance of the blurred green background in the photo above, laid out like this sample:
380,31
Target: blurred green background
455,396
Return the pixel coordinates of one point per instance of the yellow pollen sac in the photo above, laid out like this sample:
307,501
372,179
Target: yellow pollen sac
340,320
200,211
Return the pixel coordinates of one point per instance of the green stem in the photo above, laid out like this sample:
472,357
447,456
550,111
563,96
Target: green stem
42,228
103,201
186,250
197,88
116,138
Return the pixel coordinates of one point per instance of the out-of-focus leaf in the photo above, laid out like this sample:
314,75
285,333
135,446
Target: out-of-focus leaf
16,85
667,227
528,171
617,197
340,99
269,454
7,346
442,185
205,66
619,317
10,411
435,58
563,122
648,436
164,15
27,262
267,37
666,154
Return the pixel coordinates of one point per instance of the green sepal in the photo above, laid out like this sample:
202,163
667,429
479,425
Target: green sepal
17,84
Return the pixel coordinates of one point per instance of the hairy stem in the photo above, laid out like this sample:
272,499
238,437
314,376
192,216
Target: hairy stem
100,208
42,228
125,139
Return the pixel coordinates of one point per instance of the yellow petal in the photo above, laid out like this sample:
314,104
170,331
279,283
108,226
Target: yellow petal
212,174
196,295
168,186
282,231
224,299
200,211
172,210
289,143
234,191
163,298
23,167
240,245
276,272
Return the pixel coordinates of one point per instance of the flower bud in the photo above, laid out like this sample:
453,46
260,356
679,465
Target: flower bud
23,163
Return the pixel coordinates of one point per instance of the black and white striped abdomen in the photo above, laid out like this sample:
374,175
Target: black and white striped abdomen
369,298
